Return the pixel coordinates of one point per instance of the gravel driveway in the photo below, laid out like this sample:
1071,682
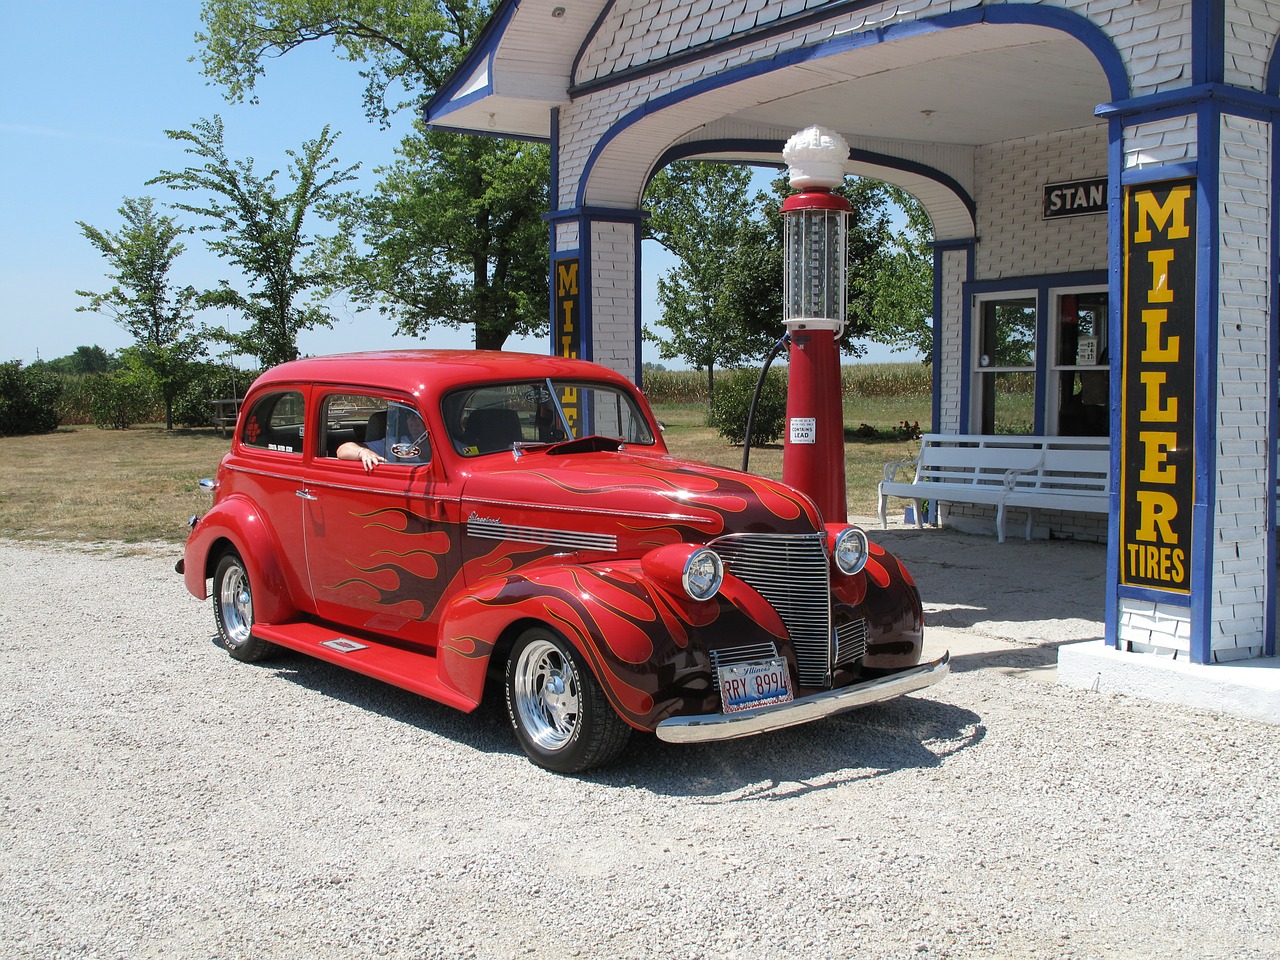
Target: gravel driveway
162,800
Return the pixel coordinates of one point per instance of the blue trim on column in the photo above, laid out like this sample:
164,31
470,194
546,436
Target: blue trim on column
935,363
1208,41
1039,422
1172,171
1209,136
1157,596
639,325
1115,343
1071,23
1273,406
553,201
1180,102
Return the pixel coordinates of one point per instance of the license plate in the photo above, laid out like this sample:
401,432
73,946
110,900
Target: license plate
756,684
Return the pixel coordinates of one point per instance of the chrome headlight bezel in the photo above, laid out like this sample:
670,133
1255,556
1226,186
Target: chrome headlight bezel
702,574
850,551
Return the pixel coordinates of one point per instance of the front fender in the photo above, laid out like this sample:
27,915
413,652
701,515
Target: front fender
635,636
237,520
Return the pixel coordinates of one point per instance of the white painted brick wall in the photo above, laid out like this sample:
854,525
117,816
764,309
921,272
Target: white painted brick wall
566,236
1251,30
950,353
1014,239
1153,36
613,296
1160,142
1244,330
1159,628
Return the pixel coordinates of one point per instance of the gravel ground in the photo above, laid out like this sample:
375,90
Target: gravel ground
162,800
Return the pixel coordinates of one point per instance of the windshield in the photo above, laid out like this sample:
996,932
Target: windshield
493,417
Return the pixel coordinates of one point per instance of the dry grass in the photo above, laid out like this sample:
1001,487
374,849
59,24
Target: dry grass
85,484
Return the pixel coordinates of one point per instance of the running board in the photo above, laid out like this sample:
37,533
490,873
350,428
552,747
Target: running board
415,672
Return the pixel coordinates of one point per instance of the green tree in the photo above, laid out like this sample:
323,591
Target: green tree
885,302
261,232
704,214
84,360
453,234
159,315
899,295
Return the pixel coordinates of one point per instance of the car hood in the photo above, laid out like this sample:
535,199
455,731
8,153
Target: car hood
620,492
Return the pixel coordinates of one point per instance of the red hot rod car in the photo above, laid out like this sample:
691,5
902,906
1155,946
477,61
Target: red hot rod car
436,518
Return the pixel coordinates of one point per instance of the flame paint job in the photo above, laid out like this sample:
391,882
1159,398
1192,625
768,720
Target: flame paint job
388,558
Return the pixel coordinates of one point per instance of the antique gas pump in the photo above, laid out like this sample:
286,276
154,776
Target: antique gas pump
814,266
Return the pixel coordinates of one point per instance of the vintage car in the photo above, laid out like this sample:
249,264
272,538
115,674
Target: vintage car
518,518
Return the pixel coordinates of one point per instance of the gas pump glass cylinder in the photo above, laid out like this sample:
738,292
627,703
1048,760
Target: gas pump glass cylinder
814,282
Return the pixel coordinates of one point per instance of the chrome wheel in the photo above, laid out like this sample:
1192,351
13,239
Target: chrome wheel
233,611
235,604
545,693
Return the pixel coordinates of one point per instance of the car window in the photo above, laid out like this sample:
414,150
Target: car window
490,418
391,429
275,422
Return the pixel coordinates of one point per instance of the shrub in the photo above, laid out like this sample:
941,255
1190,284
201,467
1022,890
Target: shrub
209,381
28,400
119,400
732,403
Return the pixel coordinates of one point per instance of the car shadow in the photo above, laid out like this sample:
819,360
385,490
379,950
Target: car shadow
908,733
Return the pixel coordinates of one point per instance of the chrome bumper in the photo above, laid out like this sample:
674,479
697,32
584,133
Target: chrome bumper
728,726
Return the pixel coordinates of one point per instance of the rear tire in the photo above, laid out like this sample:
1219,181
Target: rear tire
558,709
233,611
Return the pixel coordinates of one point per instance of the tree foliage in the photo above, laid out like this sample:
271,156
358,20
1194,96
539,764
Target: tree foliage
723,301
717,302
83,360
407,48
453,234
28,400
158,314
261,231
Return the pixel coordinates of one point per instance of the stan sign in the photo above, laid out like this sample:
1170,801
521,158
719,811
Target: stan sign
1157,481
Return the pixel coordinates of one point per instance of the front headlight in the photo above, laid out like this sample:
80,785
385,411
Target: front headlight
703,573
850,551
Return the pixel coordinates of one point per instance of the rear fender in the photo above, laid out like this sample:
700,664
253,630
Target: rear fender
237,522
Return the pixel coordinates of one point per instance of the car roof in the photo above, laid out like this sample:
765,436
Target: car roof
411,371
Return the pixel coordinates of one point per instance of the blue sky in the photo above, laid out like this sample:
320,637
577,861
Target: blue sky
87,89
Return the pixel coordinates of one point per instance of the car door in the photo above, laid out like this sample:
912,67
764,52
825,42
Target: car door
268,458
379,551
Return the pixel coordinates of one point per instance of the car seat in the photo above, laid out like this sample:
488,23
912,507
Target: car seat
490,429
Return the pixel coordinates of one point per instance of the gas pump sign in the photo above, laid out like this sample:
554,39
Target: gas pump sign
1157,462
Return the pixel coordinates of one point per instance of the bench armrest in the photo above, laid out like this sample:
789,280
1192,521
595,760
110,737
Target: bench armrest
893,466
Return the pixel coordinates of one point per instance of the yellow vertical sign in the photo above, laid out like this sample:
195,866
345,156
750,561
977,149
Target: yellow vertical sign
567,328
1157,457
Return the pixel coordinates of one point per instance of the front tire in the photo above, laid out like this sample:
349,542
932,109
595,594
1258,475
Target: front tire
233,612
558,709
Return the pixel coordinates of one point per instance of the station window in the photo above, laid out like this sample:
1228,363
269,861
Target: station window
1005,365
1081,390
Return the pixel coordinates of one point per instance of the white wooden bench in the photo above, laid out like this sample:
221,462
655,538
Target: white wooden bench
1062,473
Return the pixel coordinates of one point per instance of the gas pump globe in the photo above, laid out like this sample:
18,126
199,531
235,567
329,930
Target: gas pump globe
814,223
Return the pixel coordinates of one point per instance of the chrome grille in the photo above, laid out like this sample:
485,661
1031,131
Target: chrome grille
792,572
851,641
